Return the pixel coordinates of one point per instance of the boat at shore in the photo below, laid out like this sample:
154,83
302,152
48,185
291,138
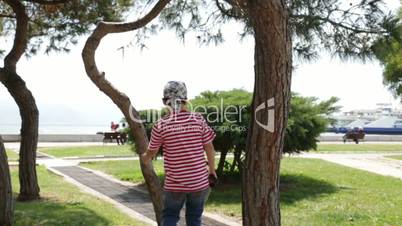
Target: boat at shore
384,120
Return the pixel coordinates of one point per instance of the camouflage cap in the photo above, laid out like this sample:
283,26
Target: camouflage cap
174,93
175,90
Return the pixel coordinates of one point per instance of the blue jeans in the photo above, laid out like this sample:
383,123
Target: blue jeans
194,207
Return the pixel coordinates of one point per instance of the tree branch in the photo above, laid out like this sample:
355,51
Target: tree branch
237,10
104,28
338,24
224,11
7,16
20,38
46,2
121,99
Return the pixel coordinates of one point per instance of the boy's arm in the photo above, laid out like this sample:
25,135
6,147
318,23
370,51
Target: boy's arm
210,150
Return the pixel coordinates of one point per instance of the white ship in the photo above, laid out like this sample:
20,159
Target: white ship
383,120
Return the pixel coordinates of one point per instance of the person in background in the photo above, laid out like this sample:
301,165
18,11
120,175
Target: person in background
186,138
114,126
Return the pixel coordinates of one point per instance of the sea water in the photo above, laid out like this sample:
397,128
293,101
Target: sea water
57,129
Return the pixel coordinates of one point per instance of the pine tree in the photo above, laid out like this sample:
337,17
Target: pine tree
49,26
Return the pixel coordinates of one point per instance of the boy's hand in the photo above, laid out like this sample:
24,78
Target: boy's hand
212,179
213,172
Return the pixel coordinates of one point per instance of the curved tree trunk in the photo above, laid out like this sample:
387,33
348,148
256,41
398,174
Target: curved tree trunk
6,200
26,103
270,109
29,189
122,101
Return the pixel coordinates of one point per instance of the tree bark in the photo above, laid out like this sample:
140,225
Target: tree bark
122,101
6,200
273,60
29,188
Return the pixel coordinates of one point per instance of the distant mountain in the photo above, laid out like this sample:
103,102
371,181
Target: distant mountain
63,115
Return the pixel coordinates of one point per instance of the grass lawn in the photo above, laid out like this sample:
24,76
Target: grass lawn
313,192
63,204
90,151
128,170
12,156
125,150
397,157
358,148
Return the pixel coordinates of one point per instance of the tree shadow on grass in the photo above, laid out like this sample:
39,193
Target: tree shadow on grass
51,212
292,187
297,187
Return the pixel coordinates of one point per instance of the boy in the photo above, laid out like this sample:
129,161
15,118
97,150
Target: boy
185,136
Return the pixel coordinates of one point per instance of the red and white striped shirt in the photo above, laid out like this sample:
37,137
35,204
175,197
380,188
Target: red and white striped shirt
182,136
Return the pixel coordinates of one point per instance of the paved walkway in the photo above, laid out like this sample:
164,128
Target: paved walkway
375,163
16,145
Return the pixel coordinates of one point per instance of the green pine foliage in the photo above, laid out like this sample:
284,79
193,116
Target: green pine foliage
346,29
388,50
228,113
307,120
57,27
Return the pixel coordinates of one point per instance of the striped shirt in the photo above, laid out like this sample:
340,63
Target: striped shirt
182,136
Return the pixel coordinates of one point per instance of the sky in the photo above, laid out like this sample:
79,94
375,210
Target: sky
65,95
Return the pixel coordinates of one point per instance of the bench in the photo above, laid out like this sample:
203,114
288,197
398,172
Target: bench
121,138
354,135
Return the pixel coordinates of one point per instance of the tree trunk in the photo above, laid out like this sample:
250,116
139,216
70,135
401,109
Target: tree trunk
221,164
271,97
122,101
29,189
26,103
6,200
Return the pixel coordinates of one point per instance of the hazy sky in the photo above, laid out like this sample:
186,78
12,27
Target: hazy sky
65,94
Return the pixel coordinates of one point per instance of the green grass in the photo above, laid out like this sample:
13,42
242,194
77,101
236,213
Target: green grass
358,148
128,170
313,192
397,157
125,150
63,204
340,195
12,156
90,151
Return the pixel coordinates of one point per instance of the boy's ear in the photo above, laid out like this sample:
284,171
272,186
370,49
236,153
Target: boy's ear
164,101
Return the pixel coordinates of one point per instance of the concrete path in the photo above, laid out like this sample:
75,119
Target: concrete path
16,145
375,163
